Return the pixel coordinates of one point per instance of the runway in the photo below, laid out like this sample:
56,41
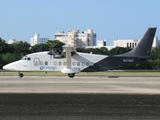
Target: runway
63,84
87,98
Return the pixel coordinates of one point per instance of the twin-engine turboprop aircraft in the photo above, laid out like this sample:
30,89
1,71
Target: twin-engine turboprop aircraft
70,62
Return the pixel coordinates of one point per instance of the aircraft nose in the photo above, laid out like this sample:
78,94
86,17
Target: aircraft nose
6,67
9,67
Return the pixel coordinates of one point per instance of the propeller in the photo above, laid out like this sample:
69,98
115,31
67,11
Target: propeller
56,54
51,53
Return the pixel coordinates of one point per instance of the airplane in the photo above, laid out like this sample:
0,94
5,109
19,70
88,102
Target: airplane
71,62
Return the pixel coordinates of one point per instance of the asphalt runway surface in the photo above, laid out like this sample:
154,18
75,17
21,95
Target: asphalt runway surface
80,98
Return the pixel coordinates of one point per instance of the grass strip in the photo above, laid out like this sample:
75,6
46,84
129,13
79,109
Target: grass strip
108,73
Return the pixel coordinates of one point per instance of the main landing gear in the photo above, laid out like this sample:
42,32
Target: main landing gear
20,75
71,75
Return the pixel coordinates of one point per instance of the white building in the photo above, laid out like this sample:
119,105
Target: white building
126,43
133,43
156,42
108,47
101,43
37,40
77,39
11,41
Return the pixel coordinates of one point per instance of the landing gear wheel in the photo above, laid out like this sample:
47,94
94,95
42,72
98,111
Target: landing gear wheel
71,75
20,75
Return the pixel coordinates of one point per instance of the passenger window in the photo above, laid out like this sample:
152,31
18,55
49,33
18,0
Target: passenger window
74,63
55,63
78,63
64,63
46,63
87,63
83,63
60,63
41,62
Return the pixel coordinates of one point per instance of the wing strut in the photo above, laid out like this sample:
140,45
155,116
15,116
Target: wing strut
68,50
68,69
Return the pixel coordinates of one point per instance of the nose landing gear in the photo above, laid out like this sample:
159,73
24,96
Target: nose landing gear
71,75
20,75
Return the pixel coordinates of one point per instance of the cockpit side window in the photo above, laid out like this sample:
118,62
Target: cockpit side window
28,58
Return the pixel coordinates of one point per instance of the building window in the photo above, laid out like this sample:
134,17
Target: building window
135,44
132,45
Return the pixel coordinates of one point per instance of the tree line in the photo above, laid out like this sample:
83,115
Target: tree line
15,51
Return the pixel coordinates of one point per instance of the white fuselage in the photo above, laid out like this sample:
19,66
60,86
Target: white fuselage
41,61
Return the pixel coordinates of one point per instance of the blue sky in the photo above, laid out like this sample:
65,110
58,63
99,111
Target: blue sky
125,19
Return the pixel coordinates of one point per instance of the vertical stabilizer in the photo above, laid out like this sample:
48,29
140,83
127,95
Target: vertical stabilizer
144,46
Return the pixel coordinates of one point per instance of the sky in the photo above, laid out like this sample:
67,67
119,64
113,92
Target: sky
109,19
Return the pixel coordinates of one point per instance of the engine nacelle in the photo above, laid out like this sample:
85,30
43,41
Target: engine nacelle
57,54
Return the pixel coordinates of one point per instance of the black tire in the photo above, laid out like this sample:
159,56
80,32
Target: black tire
21,75
71,75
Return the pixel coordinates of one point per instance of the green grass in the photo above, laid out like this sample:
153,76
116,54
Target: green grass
109,73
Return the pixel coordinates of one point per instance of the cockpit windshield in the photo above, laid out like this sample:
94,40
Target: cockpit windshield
26,58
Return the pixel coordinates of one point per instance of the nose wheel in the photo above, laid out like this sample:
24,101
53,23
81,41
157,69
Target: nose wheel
20,75
71,75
